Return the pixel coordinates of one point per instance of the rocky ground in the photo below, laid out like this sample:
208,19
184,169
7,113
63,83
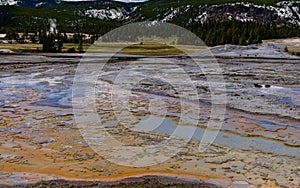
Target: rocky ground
257,146
146,181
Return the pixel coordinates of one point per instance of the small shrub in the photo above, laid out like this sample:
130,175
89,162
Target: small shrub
71,50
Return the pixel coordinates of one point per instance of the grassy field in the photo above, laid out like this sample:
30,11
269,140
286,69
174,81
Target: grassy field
146,48
22,47
38,47
68,46
292,45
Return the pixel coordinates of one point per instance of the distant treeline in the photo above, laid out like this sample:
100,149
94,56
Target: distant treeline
30,20
241,33
212,33
14,20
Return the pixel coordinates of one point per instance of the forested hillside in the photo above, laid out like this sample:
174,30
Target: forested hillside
215,22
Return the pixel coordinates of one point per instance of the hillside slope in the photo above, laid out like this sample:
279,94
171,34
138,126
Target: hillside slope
216,22
182,12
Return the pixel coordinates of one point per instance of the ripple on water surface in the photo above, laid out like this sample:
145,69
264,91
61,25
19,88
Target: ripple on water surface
56,91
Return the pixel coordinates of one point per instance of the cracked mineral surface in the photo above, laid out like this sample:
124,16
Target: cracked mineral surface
256,146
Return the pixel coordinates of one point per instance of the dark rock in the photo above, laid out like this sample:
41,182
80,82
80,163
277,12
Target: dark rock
46,142
258,86
62,123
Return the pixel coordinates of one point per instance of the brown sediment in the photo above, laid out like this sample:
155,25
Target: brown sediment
20,153
44,142
133,181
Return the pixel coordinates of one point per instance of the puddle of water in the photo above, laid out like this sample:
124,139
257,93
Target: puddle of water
56,98
168,126
16,179
269,125
156,124
285,100
56,90
1,103
110,124
13,96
